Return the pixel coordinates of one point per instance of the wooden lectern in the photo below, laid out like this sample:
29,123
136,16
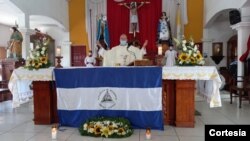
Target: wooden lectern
144,62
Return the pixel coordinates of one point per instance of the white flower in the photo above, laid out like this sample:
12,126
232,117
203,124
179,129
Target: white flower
42,52
195,48
85,126
192,43
38,54
108,122
185,49
114,125
115,131
190,52
37,46
31,56
98,123
184,42
194,54
91,130
44,48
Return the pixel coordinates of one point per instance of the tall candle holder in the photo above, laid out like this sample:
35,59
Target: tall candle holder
148,134
58,61
54,132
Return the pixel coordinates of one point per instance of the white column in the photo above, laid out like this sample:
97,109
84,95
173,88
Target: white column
243,29
66,53
207,43
26,41
24,28
207,49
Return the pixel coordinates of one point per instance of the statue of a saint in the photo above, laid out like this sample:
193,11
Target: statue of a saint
164,30
103,32
15,44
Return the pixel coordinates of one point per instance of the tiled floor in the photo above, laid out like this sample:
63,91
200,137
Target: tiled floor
17,124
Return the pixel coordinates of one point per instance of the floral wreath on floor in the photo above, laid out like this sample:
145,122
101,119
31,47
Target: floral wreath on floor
38,55
106,127
189,54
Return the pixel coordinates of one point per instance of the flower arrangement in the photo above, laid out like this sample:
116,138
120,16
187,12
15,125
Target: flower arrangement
38,55
106,127
189,54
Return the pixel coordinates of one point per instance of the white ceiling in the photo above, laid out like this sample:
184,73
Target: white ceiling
38,20
247,4
9,14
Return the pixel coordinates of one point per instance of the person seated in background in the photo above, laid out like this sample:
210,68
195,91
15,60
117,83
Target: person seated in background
123,54
89,60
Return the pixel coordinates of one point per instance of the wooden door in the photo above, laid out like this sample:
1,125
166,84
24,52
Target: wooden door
231,49
78,53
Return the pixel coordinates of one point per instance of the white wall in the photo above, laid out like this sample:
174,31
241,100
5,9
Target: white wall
212,7
218,32
5,34
61,37
57,9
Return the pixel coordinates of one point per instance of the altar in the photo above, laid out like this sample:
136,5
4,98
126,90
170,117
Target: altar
175,98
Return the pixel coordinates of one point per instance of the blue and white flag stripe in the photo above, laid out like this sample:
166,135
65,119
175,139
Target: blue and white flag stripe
109,77
128,99
134,93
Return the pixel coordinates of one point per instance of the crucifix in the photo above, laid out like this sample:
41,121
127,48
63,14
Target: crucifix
133,7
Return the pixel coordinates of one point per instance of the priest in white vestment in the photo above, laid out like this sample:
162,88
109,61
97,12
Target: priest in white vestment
122,55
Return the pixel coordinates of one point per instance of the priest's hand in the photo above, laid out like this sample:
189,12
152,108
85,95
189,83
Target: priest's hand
145,44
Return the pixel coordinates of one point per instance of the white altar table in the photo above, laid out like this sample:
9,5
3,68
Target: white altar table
19,83
208,73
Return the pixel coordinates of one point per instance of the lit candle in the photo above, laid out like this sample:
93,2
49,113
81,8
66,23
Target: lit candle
148,134
53,133
58,51
159,50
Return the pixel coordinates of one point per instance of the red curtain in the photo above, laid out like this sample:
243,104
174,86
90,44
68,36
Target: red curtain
118,22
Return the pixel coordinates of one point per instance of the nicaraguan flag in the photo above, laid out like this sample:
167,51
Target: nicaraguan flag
134,93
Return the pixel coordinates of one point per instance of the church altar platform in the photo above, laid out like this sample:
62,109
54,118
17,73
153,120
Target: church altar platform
178,90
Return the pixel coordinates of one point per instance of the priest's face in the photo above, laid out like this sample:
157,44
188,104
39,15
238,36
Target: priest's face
123,40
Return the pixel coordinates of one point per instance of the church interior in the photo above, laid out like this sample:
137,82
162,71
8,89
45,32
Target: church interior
100,70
